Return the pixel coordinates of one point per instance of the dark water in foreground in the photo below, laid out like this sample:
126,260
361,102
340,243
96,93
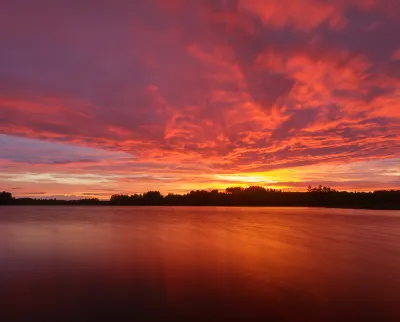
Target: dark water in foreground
198,264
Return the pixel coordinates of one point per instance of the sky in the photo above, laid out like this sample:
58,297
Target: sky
104,97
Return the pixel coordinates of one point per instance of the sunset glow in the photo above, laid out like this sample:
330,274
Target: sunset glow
175,95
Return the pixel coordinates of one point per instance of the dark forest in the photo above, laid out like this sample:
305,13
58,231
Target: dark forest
235,196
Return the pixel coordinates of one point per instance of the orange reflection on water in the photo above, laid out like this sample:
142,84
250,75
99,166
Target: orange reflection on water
257,263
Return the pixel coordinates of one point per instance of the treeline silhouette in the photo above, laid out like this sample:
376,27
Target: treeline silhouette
236,196
6,198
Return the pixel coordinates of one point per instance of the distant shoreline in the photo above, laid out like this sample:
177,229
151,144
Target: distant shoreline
254,196
193,206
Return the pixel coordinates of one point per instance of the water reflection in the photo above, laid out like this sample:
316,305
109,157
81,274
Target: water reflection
69,263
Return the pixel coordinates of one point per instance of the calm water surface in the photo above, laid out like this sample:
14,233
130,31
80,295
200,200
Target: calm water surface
198,264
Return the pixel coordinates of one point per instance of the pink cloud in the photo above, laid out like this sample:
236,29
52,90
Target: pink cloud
396,55
280,13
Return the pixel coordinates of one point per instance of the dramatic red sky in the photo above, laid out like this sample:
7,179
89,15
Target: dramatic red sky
103,97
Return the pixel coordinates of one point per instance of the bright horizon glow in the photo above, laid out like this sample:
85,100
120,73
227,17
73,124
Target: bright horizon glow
247,178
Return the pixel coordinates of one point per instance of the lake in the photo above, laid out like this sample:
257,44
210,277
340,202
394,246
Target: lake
198,264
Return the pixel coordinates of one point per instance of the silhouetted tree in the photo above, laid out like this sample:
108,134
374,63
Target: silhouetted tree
152,198
6,198
234,190
119,199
